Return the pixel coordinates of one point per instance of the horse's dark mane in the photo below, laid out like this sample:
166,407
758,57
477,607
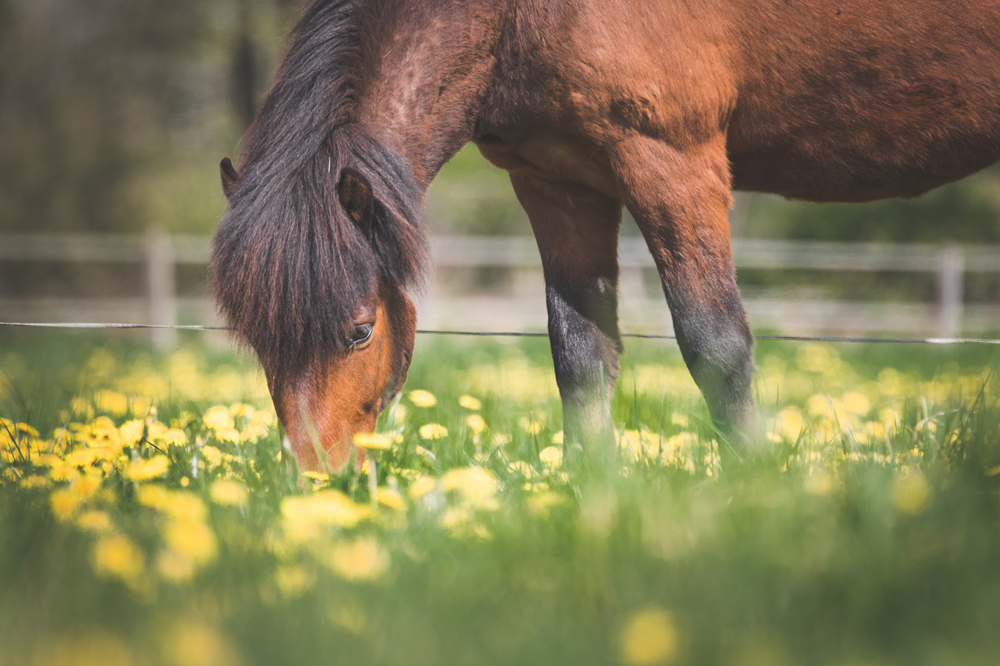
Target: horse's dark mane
290,267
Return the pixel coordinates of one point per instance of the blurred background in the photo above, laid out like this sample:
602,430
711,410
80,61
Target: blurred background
114,116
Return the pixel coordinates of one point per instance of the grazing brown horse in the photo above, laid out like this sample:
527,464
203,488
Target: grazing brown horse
663,106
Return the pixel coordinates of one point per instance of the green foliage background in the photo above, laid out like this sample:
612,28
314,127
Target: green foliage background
113,117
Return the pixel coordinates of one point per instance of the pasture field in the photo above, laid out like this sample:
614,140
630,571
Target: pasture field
149,516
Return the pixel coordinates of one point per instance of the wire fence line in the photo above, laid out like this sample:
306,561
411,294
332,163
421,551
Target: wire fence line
791,311
521,334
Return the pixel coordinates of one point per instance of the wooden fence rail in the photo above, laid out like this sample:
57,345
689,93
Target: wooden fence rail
161,254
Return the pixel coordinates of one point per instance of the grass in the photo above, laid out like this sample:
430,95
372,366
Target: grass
147,515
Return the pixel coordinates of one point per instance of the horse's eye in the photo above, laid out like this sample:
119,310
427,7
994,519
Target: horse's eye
361,335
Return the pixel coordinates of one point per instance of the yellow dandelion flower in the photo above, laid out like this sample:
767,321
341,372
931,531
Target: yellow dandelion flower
856,403
156,431
558,438
475,423
469,402
293,580
371,440
551,457
680,420
27,430
218,418
888,416
144,470
111,402
102,432
433,431
391,498
457,519
319,477
421,486
226,492
212,456
231,435
474,485
912,493
788,423
191,538
103,453
819,406
156,497
116,556
257,424
531,426
64,504
360,560
422,398
81,457
649,637
184,506
240,410
94,521
34,481
84,487
174,566
305,518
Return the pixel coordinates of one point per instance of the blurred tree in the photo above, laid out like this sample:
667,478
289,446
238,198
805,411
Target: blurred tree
246,85
88,89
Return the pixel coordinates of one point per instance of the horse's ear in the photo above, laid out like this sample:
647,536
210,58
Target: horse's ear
229,176
357,199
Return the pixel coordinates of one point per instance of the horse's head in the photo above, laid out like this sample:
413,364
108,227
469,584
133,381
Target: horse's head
333,329
330,399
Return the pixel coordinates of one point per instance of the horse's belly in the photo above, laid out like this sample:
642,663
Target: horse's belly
830,168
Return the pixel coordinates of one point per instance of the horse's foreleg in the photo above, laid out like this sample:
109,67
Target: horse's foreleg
680,199
577,234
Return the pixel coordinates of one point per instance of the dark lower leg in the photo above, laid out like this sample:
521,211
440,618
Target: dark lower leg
577,234
583,332
717,346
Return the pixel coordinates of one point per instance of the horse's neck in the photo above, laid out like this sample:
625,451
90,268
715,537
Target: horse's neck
428,76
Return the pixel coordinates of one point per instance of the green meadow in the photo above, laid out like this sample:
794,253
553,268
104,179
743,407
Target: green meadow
148,514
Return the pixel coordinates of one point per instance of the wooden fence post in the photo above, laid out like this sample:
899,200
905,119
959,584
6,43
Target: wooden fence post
951,266
161,284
